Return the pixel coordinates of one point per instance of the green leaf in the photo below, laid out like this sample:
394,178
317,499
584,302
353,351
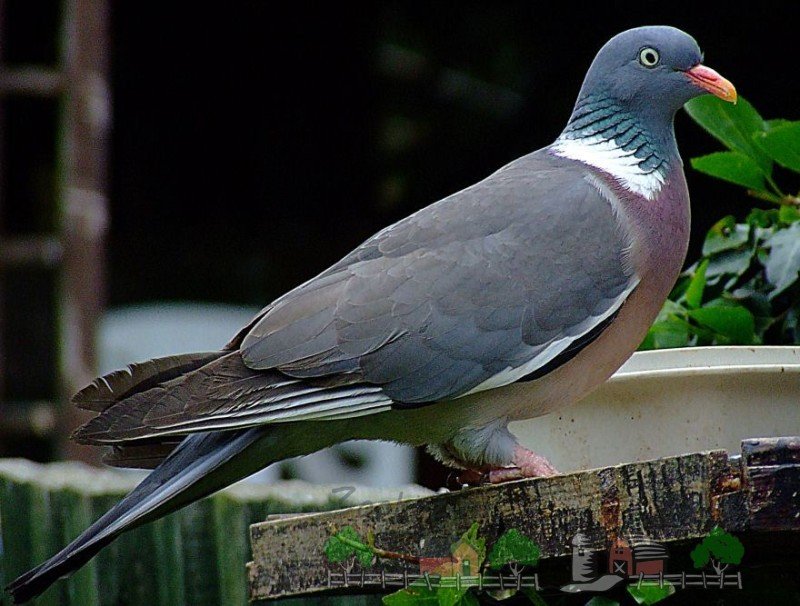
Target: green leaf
513,546
450,596
733,167
757,302
782,144
365,557
649,341
700,555
783,263
667,334
725,234
732,324
414,595
669,329
776,122
346,543
789,214
761,217
694,293
733,125
650,593
719,544
336,551
728,263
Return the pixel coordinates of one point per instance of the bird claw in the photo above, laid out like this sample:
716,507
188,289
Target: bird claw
526,464
532,465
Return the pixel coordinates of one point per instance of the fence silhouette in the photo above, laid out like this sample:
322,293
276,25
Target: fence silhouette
702,579
404,579
386,580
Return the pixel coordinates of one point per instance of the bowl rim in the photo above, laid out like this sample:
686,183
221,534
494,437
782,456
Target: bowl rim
718,360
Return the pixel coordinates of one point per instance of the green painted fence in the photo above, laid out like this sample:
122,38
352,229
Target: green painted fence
194,557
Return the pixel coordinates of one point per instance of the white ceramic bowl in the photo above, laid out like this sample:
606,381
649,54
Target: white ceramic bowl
676,401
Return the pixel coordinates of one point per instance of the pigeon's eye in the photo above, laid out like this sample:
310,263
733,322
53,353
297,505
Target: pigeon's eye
648,57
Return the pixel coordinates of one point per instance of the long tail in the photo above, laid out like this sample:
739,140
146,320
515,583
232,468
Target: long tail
202,464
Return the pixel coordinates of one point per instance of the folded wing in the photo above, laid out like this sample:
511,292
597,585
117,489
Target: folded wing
504,280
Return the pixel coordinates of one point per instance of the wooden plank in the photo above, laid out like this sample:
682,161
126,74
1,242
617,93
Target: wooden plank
772,482
37,419
31,80
763,452
3,295
83,203
672,499
41,251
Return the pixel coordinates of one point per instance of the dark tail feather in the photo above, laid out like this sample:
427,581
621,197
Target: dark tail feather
140,455
202,464
120,384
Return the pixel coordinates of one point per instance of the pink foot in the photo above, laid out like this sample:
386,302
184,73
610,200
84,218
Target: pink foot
525,464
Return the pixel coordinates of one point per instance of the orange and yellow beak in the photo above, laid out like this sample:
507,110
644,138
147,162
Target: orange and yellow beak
709,80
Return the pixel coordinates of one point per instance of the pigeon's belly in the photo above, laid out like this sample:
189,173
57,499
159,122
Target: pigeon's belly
587,370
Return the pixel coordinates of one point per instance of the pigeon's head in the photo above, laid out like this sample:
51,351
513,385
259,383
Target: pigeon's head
653,70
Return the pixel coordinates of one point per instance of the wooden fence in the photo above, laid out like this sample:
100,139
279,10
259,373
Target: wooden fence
387,580
194,557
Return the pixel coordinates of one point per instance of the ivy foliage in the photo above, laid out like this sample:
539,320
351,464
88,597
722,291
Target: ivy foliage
745,289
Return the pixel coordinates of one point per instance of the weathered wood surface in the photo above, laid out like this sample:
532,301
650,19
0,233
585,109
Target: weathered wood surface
669,500
772,481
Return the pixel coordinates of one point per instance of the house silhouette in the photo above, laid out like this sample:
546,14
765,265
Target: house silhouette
462,562
646,557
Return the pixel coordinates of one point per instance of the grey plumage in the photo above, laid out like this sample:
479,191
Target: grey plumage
548,271
448,298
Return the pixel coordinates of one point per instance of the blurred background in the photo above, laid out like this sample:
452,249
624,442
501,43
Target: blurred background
166,170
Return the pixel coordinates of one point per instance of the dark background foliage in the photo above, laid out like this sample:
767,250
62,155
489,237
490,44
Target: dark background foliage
255,143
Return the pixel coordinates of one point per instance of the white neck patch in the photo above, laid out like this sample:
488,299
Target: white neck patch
606,155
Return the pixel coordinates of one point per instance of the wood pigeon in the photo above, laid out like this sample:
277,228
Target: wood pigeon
507,300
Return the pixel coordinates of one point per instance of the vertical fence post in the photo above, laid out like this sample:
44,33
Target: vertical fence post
2,200
84,215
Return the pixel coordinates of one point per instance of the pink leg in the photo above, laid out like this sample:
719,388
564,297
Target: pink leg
525,464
